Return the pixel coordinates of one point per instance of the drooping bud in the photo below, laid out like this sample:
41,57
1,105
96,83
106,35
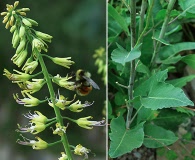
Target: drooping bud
26,22
33,22
44,36
21,45
13,28
22,31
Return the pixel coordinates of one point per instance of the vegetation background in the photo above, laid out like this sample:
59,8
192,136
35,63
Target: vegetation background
78,29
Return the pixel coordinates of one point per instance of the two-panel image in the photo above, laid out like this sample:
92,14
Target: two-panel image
97,80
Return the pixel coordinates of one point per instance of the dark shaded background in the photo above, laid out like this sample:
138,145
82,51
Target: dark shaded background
78,29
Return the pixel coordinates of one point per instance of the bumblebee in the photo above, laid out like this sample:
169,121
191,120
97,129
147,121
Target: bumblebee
84,83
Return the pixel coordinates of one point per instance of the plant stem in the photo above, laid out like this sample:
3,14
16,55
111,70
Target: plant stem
141,36
163,30
132,65
59,119
142,14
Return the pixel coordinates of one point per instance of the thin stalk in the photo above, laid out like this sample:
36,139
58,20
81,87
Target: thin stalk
163,30
141,36
132,65
59,119
134,43
142,14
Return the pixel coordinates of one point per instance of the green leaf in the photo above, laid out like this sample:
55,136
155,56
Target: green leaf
146,114
120,98
110,116
188,5
190,60
123,140
186,111
118,18
147,49
143,88
171,155
171,117
121,55
158,136
181,82
113,29
142,68
172,60
163,95
171,50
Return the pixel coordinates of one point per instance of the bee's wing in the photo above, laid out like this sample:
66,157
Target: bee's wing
91,82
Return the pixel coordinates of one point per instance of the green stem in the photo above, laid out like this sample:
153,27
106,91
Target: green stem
132,65
142,14
54,143
163,30
59,119
140,39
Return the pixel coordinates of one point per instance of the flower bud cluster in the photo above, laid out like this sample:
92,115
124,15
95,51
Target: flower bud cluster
100,62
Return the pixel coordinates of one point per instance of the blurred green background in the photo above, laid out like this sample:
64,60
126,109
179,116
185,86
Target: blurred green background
78,29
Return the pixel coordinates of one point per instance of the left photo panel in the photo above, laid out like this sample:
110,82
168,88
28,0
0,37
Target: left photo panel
53,80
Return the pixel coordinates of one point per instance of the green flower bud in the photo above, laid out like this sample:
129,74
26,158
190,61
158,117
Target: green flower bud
30,67
19,60
36,43
13,28
16,4
26,22
22,13
22,31
65,62
33,22
3,13
43,36
7,25
23,10
9,7
14,34
16,40
11,22
5,19
21,46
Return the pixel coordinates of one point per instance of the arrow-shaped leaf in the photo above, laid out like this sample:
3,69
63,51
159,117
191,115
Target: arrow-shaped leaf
123,140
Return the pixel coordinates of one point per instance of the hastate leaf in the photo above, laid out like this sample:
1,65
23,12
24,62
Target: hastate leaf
143,88
121,55
163,95
158,136
123,140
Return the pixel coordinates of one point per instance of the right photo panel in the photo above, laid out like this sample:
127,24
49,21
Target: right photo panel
151,79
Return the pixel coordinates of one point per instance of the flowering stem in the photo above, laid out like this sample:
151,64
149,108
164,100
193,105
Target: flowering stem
64,138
